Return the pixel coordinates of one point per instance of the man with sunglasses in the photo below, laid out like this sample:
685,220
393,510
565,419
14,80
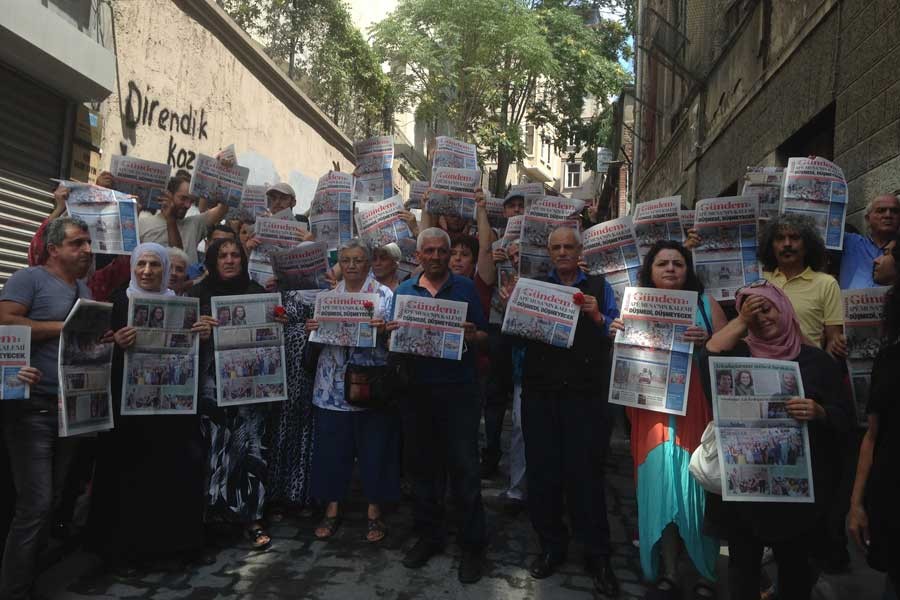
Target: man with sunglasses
861,251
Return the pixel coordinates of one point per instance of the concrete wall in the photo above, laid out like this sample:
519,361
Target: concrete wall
183,59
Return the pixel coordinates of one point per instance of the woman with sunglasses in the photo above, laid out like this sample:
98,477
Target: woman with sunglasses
767,327
670,502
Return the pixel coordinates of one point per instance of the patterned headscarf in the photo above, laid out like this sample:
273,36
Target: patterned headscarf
784,346
163,255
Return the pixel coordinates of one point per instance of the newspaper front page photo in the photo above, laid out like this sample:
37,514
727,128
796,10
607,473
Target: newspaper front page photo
15,353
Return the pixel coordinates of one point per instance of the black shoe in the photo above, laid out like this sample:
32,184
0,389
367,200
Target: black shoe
605,581
469,567
545,564
419,555
489,465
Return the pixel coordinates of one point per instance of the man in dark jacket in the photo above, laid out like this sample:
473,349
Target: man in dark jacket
566,427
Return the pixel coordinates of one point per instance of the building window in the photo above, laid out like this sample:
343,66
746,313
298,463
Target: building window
573,175
529,140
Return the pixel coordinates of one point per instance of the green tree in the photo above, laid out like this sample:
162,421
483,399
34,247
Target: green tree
479,69
322,51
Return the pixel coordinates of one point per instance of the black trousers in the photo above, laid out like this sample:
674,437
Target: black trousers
566,436
791,556
497,392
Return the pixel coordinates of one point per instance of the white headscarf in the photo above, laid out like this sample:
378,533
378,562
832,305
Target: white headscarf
163,255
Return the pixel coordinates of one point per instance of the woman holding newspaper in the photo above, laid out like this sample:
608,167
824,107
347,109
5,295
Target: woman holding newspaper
146,461
767,327
234,434
346,433
670,502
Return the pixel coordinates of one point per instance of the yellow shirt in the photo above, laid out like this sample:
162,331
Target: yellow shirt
816,298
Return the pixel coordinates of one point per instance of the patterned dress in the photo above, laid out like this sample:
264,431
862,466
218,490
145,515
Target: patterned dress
292,422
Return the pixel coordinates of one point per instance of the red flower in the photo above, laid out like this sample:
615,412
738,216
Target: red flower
578,298
368,305
279,311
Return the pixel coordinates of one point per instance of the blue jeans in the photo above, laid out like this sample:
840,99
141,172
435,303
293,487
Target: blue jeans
39,461
440,424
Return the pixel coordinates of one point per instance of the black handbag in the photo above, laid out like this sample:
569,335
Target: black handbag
378,387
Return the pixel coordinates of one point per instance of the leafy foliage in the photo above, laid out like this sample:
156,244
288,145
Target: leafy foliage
324,53
478,69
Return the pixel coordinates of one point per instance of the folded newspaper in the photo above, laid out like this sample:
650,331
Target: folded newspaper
345,319
541,311
111,216
429,327
15,353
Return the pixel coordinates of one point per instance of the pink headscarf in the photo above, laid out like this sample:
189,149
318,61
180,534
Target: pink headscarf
786,345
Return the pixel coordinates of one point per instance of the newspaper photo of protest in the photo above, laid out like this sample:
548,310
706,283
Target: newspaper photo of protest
534,261
374,154
417,191
304,267
651,360
864,331
249,349
452,192
764,184
764,452
111,216
144,179
15,353
85,365
428,327
218,183
542,311
725,260
610,249
657,220
161,367
345,319
373,187
543,214
816,187
380,223
331,210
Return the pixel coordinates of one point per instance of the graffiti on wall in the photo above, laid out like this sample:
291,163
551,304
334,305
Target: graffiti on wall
143,110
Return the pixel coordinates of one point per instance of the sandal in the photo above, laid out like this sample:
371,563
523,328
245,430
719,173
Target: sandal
330,524
259,539
703,591
377,527
664,589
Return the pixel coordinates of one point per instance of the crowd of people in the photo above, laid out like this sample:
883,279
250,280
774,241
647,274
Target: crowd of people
250,465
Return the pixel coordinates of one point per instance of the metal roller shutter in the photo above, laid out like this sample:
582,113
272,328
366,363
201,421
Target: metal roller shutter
32,129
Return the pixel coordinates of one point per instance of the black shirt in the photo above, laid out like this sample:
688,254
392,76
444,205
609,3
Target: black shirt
883,486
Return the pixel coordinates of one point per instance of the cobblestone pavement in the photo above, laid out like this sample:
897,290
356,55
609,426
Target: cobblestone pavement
346,567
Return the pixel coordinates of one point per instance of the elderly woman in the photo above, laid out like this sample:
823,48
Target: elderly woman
873,519
385,262
670,502
344,433
146,462
767,327
237,465
178,267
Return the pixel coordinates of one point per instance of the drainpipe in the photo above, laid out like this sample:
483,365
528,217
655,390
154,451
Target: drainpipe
638,107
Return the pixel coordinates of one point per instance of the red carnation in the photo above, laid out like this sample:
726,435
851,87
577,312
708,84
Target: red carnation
279,311
578,298
369,306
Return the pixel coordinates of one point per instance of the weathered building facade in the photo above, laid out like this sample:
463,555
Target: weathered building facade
722,85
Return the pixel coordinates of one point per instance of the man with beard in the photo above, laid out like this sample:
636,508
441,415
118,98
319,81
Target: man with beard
441,418
861,251
171,227
792,254
40,298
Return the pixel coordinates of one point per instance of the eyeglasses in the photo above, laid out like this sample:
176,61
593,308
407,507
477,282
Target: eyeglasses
353,261
755,284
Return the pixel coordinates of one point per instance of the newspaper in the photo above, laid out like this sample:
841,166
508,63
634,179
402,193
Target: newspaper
454,154
380,223
534,261
331,210
526,189
249,349
863,326
160,373
253,202
764,183
763,452
656,220
409,262
816,187
543,214
345,319
429,327
374,154
651,360
495,211
726,259
542,311
144,179
111,217
452,192
227,154
85,365
507,276
15,353
373,187
687,220
417,191
217,183
513,230
274,233
610,249
303,267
